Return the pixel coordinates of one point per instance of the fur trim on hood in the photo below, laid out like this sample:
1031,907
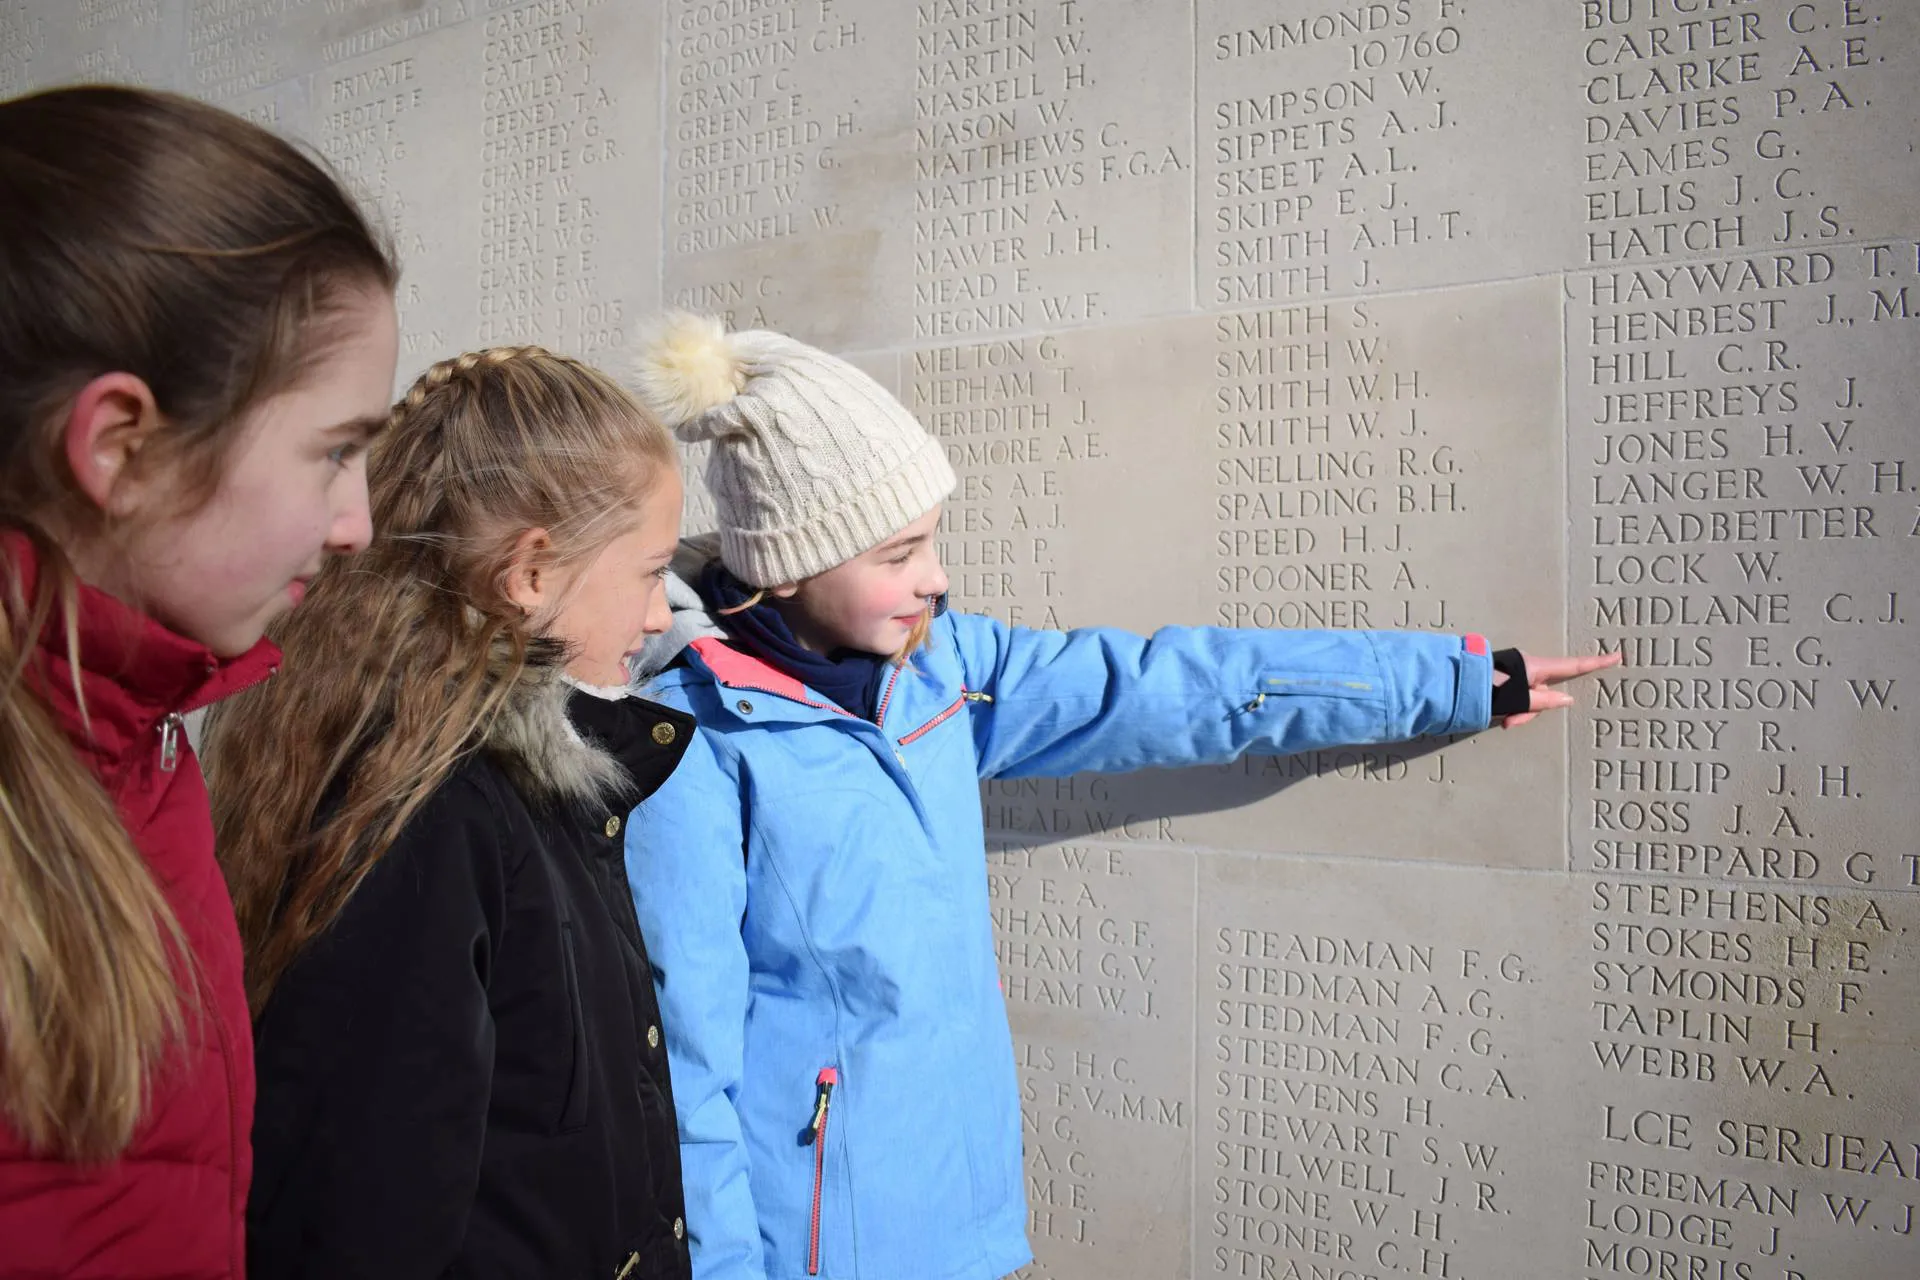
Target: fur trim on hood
538,747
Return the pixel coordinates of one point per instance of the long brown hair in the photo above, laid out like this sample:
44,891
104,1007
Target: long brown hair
398,661
150,234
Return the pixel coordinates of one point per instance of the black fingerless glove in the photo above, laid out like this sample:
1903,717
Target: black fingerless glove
1515,696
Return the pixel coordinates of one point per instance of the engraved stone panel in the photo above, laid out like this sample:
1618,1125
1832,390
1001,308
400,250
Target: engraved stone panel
1588,325
568,192
1094,939
788,165
867,172
127,41
1745,1092
1356,147
1050,150
1732,128
22,34
1700,1080
1741,451
240,46
510,147
384,118
1373,1042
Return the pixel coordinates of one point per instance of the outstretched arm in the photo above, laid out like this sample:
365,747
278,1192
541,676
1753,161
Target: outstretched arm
1098,699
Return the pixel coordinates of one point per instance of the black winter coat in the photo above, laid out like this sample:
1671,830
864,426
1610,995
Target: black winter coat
465,1076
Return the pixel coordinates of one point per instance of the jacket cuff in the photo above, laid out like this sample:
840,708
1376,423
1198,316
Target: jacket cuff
1473,695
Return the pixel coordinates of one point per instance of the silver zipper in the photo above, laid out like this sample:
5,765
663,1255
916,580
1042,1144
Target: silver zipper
971,696
170,726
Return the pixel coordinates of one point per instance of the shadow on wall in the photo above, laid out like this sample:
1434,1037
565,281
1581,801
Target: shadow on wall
1143,806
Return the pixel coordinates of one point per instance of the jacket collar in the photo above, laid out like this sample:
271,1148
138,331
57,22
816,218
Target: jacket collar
743,673
646,738
557,743
847,677
133,673
746,673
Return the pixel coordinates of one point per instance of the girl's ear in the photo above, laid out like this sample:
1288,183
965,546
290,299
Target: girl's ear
786,592
529,583
111,419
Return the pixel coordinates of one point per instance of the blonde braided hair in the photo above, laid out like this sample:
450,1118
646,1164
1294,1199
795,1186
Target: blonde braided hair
399,661
443,373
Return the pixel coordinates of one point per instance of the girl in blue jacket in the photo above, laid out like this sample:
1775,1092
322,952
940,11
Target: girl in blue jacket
812,879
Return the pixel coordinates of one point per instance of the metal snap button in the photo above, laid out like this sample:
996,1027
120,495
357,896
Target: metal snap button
653,1037
664,733
679,1229
613,826
744,707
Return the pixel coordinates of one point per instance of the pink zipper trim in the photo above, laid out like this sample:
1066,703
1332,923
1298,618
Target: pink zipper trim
886,696
823,1083
936,722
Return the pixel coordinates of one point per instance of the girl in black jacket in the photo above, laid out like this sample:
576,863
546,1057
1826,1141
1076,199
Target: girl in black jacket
461,1066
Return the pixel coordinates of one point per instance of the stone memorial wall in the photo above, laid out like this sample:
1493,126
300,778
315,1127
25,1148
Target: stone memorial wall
1592,324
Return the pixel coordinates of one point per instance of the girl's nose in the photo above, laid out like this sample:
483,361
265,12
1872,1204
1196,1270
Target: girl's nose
935,584
659,613
352,527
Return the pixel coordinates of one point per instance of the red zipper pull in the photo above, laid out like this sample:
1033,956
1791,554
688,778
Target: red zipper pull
823,1094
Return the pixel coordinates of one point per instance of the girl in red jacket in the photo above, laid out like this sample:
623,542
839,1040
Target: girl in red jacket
197,339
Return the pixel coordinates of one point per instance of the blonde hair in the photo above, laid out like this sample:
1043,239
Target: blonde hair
917,639
399,661
151,234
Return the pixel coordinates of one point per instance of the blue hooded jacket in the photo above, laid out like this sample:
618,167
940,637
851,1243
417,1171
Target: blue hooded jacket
813,888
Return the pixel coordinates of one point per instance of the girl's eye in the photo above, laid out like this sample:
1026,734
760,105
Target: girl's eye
341,455
662,572
901,559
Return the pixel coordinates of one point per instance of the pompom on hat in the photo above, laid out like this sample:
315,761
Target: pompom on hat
813,461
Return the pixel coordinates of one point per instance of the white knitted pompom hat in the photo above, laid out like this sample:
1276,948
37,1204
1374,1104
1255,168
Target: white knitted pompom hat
812,463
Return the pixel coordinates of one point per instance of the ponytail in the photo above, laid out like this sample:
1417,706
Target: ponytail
90,955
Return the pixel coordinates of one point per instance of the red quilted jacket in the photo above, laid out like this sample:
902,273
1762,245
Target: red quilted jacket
174,1204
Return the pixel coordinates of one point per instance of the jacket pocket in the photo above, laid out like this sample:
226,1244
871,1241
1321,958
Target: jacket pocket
815,1136
573,1107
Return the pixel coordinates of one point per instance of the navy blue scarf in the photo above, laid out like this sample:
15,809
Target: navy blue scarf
852,679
